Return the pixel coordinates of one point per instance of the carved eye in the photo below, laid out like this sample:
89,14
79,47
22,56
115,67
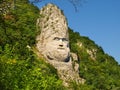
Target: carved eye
64,39
57,39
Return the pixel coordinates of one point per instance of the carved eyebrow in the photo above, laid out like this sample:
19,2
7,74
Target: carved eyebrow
56,38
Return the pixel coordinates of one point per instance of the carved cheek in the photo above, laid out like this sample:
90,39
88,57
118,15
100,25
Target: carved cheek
51,45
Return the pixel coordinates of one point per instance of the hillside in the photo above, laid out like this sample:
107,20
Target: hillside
100,70
21,68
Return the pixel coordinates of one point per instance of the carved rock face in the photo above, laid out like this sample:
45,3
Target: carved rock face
57,49
53,41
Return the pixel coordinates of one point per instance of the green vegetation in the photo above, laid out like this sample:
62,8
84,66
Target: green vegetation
103,73
21,69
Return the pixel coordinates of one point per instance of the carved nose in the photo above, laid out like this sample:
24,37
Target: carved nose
61,43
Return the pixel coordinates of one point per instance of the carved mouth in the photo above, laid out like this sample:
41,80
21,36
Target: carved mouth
61,48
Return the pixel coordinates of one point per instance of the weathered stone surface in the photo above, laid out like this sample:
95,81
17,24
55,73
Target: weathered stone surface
53,41
92,53
53,44
67,73
75,62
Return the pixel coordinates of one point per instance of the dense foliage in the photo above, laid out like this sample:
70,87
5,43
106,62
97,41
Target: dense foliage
101,73
21,69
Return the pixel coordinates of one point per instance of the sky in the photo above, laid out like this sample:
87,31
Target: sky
97,19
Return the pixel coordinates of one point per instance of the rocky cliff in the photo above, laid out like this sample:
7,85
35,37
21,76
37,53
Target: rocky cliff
53,43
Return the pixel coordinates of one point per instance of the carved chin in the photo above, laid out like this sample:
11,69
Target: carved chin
58,55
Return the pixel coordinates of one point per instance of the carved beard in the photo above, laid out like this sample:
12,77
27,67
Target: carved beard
54,51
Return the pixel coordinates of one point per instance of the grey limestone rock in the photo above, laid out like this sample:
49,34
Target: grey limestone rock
53,40
53,43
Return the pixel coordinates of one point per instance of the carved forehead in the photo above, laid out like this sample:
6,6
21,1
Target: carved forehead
53,22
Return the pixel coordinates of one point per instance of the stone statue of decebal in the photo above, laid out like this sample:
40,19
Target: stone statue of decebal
53,43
